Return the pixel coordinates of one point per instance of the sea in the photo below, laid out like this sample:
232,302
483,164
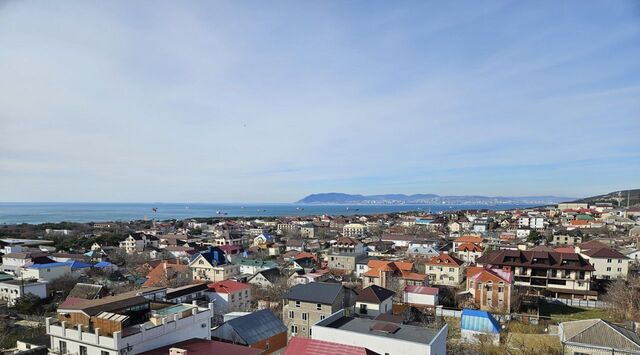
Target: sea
50,212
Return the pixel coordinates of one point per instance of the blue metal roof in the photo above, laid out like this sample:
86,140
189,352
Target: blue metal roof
78,264
479,321
47,266
103,264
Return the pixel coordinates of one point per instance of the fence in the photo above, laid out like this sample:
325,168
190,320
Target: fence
443,312
578,303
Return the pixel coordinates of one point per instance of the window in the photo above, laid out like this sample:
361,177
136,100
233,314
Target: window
298,304
363,309
63,347
104,352
619,269
294,329
450,269
83,350
304,316
609,260
322,317
318,307
609,269
291,314
619,261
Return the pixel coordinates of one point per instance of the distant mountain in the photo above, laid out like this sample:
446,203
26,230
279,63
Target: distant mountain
618,198
426,199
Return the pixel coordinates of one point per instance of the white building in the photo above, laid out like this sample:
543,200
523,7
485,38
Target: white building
94,331
381,337
230,296
420,296
533,222
353,229
46,272
374,300
13,289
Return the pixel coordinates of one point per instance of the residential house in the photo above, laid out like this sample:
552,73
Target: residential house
46,272
258,330
560,274
374,300
253,266
345,253
609,263
392,274
263,239
420,296
212,265
305,305
265,278
11,290
597,336
168,274
490,289
230,296
445,269
303,277
380,336
567,237
137,242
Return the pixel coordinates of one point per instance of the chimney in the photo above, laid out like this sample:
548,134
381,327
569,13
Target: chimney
177,351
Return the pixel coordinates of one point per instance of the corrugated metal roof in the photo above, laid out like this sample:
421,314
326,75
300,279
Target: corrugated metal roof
257,326
479,321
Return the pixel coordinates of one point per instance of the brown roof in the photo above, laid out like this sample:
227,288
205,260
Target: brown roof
205,347
107,304
374,294
444,259
543,259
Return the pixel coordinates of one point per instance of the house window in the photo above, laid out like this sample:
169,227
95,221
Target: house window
619,261
63,347
291,314
83,350
304,316
318,307
322,317
609,269
294,329
619,269
298,304
450,269
609,260
104,352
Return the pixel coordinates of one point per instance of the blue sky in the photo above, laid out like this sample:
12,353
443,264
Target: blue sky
244,101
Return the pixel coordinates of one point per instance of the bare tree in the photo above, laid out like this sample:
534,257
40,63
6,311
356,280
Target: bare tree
624,298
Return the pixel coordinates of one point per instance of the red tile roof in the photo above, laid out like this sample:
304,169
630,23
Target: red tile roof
468,239
228,286
444,259
300,346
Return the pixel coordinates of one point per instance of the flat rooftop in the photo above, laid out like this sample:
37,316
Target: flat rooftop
383,329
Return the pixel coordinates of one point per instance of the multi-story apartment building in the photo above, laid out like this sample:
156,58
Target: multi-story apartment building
560,274
305,305
567,237
128,323
212,265
445,269
533,222
490,289
353,229
609,264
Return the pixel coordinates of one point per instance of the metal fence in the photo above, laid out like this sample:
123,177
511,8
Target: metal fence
578,303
